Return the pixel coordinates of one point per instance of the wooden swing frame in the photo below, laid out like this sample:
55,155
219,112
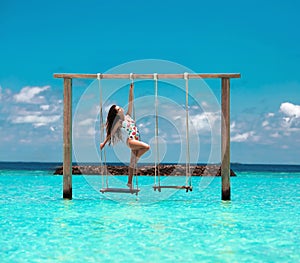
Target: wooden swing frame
225,128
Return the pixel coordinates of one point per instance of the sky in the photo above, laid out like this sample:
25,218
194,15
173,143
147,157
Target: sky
259,39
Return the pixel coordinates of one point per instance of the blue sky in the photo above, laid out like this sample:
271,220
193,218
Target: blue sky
258,39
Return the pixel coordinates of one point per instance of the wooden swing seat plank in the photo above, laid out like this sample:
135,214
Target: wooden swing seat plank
187,188
120,190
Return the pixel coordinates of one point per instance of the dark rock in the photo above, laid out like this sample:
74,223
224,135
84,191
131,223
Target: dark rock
149,170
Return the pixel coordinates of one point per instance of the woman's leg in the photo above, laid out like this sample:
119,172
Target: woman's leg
138,148
132,165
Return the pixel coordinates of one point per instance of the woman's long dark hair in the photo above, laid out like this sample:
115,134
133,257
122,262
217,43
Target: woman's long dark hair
112,119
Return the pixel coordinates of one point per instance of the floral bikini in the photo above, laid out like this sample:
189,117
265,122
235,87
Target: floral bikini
129,126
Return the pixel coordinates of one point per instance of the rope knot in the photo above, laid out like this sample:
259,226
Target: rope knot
185,75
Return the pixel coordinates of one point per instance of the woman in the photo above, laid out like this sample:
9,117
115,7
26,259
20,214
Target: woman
117,120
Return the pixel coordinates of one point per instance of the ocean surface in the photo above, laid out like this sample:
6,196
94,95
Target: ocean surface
260,224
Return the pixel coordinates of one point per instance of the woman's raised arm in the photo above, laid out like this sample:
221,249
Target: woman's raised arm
130,100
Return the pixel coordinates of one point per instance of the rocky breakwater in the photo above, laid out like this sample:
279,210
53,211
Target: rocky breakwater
147,170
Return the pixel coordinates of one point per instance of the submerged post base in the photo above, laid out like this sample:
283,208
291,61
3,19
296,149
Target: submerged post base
226,195
67,194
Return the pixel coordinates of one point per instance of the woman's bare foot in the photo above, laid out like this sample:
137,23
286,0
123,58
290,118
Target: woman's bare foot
129,185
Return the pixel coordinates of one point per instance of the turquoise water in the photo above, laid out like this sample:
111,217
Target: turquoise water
260,224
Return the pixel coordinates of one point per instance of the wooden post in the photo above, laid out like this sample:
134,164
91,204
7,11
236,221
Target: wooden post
67,165
225,131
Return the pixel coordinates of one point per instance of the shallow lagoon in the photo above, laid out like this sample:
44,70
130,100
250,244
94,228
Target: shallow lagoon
260,224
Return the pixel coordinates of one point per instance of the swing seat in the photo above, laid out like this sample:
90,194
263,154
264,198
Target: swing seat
120,190
180,187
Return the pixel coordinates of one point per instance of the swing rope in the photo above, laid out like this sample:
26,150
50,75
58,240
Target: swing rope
156,158
102,152
133,113
187,166
188,181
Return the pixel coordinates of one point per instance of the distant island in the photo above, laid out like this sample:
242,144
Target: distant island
147,170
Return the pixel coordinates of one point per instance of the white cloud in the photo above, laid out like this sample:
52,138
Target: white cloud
175,138
91,131
144,127
22,112
286,122
204,104
25,141
240,137
290,122
205,121
87,122
246,136
290,109
270,127
45,107
146,131
25,111
266,125
30,95
232,125
37,121
275,135
38,110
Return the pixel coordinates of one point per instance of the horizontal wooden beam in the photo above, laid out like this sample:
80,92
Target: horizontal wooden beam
148,76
